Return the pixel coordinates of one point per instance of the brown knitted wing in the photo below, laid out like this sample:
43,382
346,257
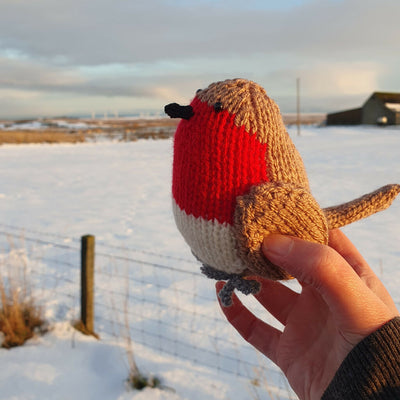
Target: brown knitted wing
275,208
362,207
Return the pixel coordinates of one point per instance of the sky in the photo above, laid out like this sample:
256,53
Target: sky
76,57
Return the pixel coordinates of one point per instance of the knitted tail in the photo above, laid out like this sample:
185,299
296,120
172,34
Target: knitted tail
362,207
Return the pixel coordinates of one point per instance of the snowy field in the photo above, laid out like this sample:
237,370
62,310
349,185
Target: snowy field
50,195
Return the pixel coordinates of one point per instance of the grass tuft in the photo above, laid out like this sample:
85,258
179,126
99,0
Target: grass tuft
139,382
19,319
20,316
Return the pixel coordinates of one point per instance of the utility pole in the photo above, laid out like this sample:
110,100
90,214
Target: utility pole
298,105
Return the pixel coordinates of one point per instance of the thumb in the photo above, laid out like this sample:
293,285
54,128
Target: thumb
311,263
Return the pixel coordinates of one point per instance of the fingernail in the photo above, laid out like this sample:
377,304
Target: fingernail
277,245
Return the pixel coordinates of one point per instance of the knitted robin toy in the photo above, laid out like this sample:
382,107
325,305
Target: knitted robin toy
238,177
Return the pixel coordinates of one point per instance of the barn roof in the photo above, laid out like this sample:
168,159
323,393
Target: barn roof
390,100
387,97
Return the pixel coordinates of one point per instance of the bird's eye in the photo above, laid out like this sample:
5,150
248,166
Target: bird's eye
218,106
198,90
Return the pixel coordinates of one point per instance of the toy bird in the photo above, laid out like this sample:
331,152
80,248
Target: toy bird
238,177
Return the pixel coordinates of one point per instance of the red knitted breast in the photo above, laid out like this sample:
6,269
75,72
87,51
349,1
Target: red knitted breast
214,162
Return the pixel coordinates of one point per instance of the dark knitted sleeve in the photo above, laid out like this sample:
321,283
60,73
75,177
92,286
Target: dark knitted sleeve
372,369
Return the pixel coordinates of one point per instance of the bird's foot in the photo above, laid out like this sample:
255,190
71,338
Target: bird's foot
234,281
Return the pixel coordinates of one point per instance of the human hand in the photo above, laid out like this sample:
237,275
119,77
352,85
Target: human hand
342,301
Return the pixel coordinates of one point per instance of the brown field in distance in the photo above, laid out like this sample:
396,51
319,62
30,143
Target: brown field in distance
39,136
89,130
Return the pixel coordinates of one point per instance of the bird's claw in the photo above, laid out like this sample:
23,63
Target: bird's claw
234,281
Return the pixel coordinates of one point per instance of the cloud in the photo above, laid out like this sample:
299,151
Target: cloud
322,84
119,31
352,78
38,76
163,50
33,75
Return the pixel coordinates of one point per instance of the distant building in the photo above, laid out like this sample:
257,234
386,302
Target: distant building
380,109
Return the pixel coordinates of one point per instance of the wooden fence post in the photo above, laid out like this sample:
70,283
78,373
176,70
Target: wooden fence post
87,282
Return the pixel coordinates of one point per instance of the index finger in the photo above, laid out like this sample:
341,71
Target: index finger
340,242
351,301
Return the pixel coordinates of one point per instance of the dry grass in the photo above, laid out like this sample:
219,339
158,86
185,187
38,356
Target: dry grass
136,379
115,129
305,119
120,129
43,136
20,316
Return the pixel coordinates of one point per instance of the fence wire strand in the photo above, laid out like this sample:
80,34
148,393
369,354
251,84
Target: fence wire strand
169,309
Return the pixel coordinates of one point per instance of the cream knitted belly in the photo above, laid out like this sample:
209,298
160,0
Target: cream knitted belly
213,243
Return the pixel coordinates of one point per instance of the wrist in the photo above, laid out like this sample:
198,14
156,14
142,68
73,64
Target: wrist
372,369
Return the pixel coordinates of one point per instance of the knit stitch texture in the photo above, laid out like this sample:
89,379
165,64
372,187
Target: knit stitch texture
238,177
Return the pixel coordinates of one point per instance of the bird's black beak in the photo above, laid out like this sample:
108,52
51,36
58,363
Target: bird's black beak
174,110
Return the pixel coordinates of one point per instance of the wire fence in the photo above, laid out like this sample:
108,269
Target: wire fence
163,302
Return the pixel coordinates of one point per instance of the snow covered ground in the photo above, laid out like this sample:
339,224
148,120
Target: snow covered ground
120,192
40,125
